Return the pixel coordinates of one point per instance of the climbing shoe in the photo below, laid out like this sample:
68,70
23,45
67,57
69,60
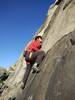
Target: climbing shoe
35,68
22,85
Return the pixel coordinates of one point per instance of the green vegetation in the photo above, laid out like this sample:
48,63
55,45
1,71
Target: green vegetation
3,77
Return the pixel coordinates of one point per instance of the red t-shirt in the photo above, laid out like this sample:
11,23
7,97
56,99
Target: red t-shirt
35,45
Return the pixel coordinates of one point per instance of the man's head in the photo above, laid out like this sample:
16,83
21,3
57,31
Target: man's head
38,38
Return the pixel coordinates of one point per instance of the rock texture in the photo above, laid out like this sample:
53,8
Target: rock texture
56,81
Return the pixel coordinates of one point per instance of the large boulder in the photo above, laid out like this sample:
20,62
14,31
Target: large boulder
56,81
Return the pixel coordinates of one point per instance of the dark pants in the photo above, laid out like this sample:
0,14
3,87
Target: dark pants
36,57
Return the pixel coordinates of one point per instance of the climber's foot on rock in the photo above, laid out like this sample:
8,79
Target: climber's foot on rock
35,70
22,85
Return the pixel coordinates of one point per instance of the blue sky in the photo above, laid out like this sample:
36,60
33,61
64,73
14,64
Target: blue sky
19,21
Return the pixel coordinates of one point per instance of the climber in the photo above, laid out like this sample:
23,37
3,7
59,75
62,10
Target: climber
33,56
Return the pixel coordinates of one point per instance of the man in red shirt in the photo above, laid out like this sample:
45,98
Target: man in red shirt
33,56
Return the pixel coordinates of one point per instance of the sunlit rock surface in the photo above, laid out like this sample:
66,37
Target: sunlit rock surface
56,81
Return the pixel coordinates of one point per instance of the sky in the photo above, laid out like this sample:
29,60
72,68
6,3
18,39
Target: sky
19,21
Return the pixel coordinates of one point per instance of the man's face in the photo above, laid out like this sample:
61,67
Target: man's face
40,40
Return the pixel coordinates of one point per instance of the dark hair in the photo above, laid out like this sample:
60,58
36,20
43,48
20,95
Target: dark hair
38,37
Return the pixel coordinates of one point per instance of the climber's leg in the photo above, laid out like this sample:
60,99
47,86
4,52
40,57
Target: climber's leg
37,57
26,74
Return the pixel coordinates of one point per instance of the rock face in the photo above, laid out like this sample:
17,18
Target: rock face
56,81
